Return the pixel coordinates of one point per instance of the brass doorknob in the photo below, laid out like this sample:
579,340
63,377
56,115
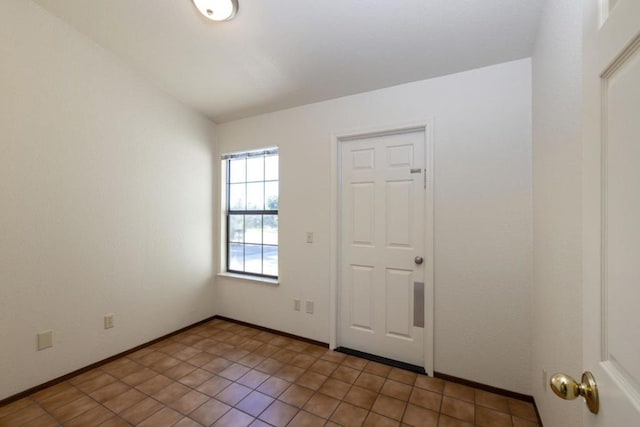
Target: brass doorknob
567,388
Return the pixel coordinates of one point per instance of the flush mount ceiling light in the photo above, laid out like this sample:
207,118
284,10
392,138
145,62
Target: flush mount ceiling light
217,10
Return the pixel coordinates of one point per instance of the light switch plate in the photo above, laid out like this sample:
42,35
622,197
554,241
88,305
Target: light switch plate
309,236
109,321
45,339
296,304
309,307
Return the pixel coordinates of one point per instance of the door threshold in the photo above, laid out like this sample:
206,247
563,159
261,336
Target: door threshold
383,360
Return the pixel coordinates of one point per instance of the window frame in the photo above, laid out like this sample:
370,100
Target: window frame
263,153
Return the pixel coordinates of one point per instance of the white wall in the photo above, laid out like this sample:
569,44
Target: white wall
557,296
105,203
483,222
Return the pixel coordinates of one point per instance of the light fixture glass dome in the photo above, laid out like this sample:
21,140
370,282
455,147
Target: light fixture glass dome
217,10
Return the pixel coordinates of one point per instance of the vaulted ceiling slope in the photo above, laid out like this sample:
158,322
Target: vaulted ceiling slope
282,53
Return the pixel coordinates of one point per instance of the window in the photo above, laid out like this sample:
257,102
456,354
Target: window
252,212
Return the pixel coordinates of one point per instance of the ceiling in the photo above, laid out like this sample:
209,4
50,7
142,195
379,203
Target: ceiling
282,53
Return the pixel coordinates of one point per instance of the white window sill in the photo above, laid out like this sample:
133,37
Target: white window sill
250,278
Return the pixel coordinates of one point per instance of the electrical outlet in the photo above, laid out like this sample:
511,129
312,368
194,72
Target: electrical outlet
296,304
45,339
309,236
109,321
544,379
309,307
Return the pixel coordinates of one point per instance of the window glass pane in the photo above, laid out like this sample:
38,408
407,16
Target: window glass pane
270,266
255,196
237,170
253,230
255,169
271,195
237,194
236,257
271,168
236,228
252,240
253,259
270,231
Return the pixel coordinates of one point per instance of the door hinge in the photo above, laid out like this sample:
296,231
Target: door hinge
425,178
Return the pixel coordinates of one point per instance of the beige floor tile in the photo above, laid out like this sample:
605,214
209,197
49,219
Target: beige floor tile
361,397
179,370
492,401
305,419
323,367
141,410
255,403
124,401
519,422
213,386
279,414
187,422
396,389
425,399
296,395
171,393
354,362
22,416
303,361
234,418
402,376
233,394
311,380
139,377
334,388
429,383
377,369
346,374
458,391
349,415
189,402
289,373
274,386
486,417
110,391
195,378
154,384
389,407
523,410
417,416
459,409
253,378
321,405
165,417
210,412
73,409
93,417
20,404
377,420
370,381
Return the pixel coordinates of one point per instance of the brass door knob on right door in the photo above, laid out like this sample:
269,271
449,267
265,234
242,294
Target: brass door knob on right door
567,388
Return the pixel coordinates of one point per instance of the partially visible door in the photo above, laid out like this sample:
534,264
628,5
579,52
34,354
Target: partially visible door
611,197
383,246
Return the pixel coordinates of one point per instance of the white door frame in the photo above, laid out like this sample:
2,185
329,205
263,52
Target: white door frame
337,139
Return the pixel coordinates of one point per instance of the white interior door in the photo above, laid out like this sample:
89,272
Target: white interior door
382,230
612,208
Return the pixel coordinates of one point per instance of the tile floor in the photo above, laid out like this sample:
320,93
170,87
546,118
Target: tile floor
225,374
